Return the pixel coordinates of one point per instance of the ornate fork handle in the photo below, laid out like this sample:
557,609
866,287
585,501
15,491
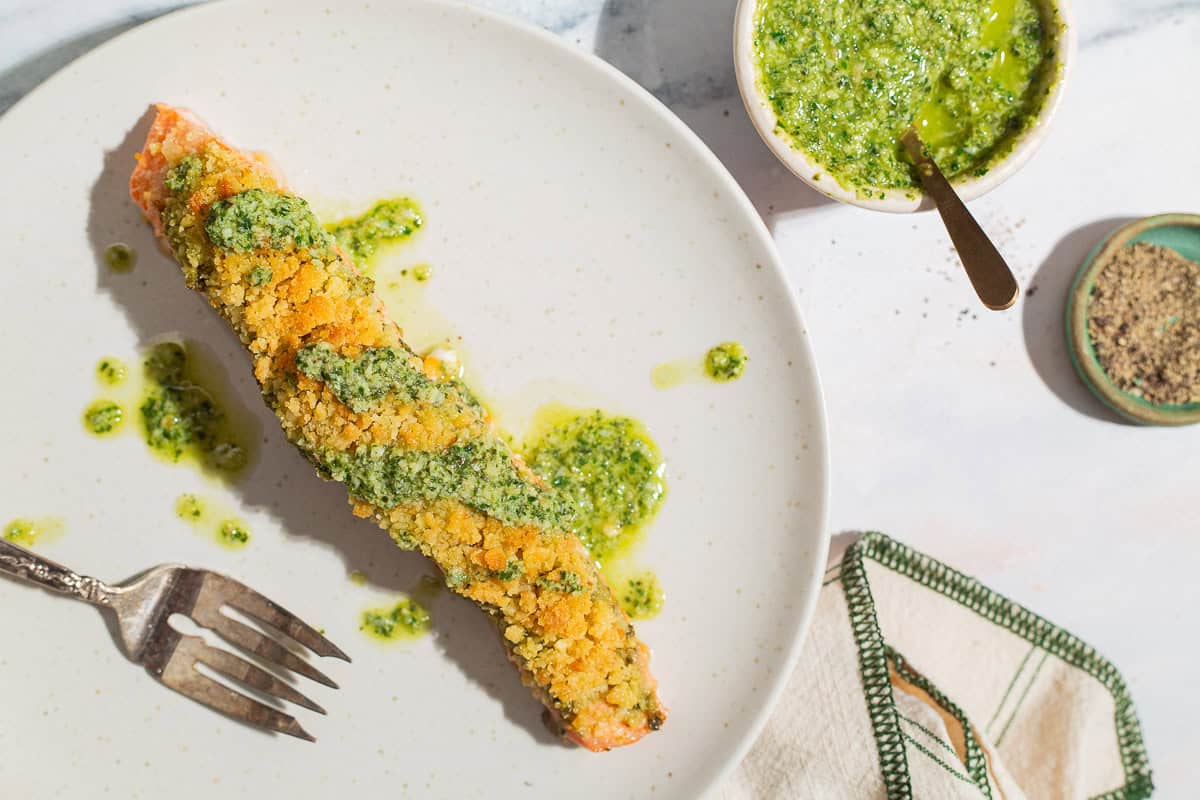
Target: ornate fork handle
23,564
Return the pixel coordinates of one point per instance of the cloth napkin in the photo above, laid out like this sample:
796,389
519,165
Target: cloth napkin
919,682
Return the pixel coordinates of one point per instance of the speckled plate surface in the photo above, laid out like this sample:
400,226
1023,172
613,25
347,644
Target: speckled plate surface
579,235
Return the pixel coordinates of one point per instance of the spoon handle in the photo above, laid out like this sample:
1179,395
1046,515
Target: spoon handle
986,268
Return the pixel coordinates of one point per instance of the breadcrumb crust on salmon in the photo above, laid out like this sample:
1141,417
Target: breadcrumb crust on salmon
575,648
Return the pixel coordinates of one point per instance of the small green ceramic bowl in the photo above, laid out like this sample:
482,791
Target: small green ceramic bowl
1180,232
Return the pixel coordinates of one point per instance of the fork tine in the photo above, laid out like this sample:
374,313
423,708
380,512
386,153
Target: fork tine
233,667
180,674
248,601
264,646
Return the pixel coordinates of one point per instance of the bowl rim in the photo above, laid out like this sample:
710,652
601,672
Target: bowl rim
1079,343
891,199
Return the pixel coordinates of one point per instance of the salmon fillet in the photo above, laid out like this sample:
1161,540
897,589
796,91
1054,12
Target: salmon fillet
418,454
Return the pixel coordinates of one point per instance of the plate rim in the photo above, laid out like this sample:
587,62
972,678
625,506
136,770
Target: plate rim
819,434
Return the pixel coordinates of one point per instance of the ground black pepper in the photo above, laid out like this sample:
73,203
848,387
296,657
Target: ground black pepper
1144,323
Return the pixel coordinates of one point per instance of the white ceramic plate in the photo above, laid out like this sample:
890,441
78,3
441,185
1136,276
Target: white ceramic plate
580,235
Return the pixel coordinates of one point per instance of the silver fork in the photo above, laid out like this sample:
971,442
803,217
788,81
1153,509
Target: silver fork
143,606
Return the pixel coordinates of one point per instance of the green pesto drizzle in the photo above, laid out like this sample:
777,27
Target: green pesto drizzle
103,417
180,417
407,619
226,530
120,257
260,276
362,382
111,371
233,533
457,578
608,471
183,177
27,532
260,220
563,581
726,362
191,249
253,219
512,570
642,596
480,474
189,508
387,222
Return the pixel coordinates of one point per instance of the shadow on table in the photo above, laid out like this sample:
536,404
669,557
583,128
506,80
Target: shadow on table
682,52
156,302
839,543
1043,313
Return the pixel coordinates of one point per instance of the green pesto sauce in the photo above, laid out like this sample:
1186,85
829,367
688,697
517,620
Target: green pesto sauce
225,529
180,417
260,276
254,219
183,177
609,473
362,382
479,474
408,619
358,578
120,257
641,596
189,508
845,80
28,532
726,362
260,220
103,417
233,533
563,581
111,371
387,222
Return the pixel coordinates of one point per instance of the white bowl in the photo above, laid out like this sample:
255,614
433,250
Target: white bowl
896,200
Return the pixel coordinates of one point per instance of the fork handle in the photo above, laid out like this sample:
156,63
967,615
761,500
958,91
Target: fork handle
22,563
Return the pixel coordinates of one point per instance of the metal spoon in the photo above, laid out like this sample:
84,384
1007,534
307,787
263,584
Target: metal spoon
986,268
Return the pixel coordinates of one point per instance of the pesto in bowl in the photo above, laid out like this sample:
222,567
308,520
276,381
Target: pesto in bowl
834,83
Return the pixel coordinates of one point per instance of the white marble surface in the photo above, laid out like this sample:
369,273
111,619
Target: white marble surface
962,432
